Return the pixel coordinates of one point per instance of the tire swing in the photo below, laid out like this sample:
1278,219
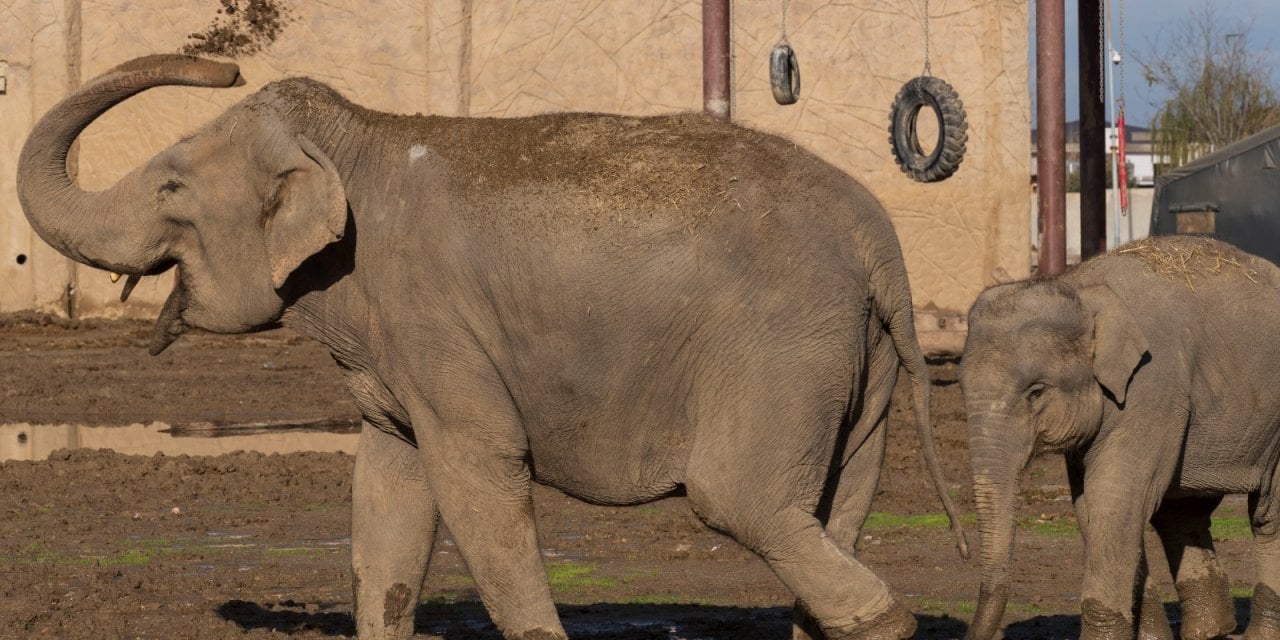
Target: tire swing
919,93
784,69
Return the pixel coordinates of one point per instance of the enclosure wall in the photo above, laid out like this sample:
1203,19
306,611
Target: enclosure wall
517,57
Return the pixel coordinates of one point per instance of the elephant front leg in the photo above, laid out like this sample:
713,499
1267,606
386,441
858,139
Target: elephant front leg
393,525
1120,494
1203,589
482,485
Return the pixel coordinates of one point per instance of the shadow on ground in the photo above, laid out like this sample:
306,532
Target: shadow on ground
469,621
601,621
1068,626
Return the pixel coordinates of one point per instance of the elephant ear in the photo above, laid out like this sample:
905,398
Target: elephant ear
307,212
1119,346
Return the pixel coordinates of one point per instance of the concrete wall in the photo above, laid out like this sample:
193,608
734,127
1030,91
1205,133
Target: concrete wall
1133,225
516,57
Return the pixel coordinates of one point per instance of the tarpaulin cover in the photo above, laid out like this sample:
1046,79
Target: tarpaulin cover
1232,194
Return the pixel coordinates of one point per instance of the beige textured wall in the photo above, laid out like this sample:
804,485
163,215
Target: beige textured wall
516,57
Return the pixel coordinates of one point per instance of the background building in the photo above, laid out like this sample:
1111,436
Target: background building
517,57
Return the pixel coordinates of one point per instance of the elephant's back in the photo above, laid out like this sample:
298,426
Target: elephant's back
1191,262
632,175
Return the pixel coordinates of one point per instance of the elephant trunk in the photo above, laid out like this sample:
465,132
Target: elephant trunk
996,460
110,229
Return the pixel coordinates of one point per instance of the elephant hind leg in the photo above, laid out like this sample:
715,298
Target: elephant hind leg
1204,592
1153,624
855,476
1264,615
772,514
855,488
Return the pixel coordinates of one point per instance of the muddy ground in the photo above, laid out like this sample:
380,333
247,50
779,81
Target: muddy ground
95,544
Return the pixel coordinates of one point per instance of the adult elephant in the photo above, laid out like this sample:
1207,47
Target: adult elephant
618,307
1152,368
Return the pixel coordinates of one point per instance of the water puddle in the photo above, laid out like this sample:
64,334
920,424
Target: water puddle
23,441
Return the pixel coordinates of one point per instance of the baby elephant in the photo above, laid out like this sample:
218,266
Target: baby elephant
1153,370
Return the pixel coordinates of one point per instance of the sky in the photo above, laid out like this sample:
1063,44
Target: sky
1148,23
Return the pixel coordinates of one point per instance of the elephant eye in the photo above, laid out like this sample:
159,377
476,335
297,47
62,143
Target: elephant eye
171,186
1035,392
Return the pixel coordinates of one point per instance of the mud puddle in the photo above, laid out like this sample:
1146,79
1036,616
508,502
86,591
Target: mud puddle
23,441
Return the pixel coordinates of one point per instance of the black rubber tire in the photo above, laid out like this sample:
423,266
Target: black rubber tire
953,130
784,74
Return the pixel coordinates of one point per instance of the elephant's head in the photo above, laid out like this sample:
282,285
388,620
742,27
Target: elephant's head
1043,365
235,207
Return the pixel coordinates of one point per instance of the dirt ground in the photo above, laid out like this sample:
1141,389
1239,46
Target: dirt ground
95,544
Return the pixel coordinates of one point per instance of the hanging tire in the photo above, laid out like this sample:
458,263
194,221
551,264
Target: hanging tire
784,74
953,130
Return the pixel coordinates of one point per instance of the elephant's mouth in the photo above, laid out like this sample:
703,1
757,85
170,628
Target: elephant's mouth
170,324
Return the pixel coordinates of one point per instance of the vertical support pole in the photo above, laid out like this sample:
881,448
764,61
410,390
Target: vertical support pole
74,55
715,58
1051,148
1093,143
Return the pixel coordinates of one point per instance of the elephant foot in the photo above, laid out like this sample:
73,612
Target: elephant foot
1207,609
1097,622
894,623
1153,624
803,626
1264,615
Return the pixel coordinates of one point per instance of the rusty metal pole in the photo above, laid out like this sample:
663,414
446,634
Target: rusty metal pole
1093,133
715,58
1051,148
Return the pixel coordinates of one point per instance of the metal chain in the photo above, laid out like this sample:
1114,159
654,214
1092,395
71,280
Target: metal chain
928,69
785,3
1102,52
733,64
1120,50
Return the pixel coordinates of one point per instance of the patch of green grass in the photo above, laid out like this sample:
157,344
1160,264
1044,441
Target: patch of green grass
1056,528
39,552
130,558
649,511
1230,528
1024,607
458,582
880,520
1242,592
574,575
938,605
669,599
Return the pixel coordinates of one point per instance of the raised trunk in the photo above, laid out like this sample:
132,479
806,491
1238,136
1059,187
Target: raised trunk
996,456
112,229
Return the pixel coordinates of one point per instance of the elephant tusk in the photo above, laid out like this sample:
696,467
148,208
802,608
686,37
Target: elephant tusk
128,286
115,277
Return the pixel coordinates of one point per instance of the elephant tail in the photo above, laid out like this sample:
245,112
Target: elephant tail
895,312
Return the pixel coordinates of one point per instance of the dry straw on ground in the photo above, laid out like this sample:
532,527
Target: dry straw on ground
1185,256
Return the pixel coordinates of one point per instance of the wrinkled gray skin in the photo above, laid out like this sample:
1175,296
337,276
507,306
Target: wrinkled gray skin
1158,384
621,308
